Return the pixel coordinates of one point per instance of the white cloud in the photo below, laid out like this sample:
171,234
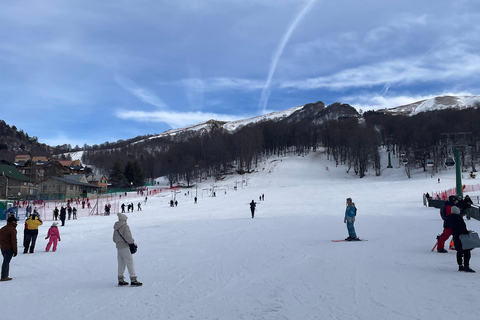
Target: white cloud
141,93
175,119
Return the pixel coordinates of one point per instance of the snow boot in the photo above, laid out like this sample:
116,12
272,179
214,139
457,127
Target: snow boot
460,268
442,251
357,239
135,283
349,239
122,282
467,269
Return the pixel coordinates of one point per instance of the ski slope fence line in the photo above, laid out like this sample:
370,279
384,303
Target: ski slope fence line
46,207
443,195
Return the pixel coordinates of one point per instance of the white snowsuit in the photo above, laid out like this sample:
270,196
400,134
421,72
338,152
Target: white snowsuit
124,257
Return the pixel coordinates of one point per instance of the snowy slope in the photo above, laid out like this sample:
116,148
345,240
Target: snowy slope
435,103
212,261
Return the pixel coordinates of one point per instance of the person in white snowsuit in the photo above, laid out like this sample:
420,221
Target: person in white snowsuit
122,236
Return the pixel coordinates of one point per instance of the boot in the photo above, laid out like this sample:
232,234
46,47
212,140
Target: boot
442,250
135,283
467,269
122,282
460,268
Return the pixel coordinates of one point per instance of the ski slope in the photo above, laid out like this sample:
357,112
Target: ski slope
212,261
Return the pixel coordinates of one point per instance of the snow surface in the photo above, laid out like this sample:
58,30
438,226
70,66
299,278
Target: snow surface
212,261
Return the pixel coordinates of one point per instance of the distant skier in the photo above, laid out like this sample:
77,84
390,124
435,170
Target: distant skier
349,219
252,208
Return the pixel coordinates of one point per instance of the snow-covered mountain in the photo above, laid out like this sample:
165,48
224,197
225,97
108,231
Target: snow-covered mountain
437,103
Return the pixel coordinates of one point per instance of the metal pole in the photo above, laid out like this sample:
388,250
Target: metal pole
458,174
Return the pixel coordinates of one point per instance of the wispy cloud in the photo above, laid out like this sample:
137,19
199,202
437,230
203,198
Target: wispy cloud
222,83
141,93
446,64
278,53
175,119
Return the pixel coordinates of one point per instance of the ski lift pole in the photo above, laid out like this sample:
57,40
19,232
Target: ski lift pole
458,174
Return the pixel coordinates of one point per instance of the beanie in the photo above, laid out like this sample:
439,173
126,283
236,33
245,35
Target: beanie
455,210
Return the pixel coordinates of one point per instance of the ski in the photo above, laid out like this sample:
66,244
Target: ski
349,241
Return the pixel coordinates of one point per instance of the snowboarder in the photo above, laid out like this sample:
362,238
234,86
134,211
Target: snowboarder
122,236
349,219
459,227
8,243
54,236
252,208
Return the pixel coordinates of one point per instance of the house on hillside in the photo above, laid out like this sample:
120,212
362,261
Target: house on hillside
22,158
72,167
14,184
40,169
99,180
71,186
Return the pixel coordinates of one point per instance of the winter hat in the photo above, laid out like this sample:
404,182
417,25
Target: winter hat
455,210
12,219
54,224
122,216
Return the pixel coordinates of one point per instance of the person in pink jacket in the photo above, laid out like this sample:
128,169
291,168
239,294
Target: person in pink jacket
54,236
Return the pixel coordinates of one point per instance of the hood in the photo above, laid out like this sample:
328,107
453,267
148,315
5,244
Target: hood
122,216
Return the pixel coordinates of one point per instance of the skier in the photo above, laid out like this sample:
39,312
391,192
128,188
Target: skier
55,214
459,227
54,236
139,207
349,219
252,208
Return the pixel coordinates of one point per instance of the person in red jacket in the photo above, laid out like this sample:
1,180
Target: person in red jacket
8,243
54,236
447,227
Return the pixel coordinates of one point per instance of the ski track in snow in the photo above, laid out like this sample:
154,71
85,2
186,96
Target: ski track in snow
212,261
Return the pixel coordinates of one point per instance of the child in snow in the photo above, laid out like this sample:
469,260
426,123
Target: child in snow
54,236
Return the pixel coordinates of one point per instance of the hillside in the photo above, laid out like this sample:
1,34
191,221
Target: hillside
210,260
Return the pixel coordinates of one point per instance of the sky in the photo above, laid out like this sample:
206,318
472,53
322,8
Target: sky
87,72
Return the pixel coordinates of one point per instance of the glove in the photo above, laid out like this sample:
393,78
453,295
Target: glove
14,254
59,239
345,220
46,238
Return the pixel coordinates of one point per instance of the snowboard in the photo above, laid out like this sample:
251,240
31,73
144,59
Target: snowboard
348,241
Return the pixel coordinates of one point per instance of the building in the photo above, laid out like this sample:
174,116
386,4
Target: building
72,186
99,180
15,185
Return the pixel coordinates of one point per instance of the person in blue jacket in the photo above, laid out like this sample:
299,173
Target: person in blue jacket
350,214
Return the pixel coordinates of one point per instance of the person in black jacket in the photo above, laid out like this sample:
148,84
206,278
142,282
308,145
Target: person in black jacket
252,208
459,227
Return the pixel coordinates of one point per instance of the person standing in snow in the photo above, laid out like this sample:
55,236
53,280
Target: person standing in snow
63,215
122,236
54,236
31,232
447,227
349,219
252,208
459,227
8,243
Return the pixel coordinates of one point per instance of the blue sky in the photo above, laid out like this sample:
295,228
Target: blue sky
83,71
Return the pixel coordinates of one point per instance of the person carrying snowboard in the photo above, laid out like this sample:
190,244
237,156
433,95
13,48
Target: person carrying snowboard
349,219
